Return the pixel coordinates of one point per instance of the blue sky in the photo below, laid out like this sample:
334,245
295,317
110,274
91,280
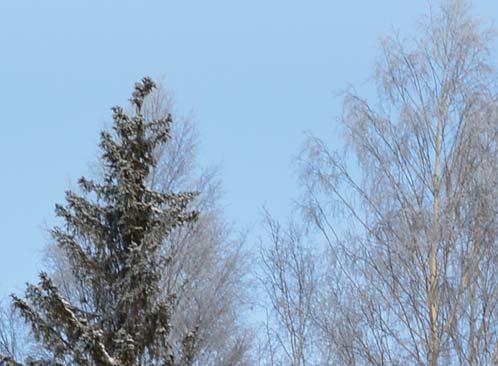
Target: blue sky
254,74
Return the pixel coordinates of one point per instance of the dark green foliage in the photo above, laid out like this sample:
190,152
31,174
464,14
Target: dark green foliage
113,234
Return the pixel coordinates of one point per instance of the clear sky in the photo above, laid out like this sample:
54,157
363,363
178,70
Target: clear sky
254,74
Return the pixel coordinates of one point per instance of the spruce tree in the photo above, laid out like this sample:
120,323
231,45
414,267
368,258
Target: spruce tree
113,233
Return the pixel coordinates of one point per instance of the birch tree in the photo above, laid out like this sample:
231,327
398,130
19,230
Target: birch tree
290,280
408,210
11,334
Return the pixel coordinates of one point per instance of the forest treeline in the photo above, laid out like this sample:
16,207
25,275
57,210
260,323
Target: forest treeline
389,256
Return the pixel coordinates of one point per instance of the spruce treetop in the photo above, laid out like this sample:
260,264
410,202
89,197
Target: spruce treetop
113,234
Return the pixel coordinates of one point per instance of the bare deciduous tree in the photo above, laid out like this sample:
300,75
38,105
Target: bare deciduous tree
413,233
209,267
9,333
289,280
